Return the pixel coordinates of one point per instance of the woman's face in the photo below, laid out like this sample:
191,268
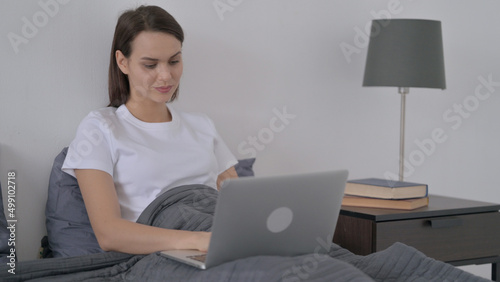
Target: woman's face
154,68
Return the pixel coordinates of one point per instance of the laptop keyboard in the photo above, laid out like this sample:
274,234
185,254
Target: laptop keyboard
198,257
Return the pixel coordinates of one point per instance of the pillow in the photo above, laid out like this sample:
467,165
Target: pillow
244,167
5,254
68,227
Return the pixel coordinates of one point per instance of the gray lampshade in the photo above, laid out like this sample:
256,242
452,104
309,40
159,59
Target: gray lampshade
405,53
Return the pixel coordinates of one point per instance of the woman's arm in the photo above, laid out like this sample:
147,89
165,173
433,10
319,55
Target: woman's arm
116,234
228,173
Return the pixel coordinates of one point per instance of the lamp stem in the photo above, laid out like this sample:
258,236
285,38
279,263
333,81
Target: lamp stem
403,91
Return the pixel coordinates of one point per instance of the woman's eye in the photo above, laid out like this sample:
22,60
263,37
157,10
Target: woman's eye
174,62
150,66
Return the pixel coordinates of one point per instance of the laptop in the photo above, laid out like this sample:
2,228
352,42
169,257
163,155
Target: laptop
285,215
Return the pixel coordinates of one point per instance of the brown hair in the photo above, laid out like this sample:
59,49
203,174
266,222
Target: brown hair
129,25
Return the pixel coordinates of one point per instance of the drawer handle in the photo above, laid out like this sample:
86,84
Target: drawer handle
445,222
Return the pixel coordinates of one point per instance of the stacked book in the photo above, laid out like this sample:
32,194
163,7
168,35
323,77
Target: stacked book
383,193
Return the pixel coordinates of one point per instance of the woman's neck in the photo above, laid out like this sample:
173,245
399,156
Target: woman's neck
149,112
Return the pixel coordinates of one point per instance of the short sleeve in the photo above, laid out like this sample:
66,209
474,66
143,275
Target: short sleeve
91,148
224,156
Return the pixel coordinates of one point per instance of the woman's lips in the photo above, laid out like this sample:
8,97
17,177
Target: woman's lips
163,89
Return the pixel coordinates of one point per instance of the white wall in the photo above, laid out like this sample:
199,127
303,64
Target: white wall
243,65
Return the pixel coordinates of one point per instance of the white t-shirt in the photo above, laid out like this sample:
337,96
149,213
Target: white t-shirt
147,159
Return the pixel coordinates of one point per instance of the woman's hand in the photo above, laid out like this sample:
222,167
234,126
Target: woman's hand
203,241
228,173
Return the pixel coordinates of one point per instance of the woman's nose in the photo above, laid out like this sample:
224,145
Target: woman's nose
164,73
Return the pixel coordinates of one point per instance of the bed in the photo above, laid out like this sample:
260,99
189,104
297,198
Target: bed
77,256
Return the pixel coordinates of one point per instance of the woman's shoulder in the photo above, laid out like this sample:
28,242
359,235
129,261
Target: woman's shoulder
103,112
101,117
196,118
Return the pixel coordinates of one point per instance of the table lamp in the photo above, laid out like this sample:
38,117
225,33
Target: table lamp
405,53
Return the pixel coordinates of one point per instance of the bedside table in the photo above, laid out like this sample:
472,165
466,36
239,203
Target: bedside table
456,231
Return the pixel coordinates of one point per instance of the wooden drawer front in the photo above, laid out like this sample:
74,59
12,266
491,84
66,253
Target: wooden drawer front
445,238
354,234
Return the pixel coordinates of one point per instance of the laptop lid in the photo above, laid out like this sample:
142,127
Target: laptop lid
276,215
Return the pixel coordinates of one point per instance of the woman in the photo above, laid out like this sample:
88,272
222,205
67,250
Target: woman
127,154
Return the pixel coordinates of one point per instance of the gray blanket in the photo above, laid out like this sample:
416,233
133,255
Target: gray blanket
191,208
